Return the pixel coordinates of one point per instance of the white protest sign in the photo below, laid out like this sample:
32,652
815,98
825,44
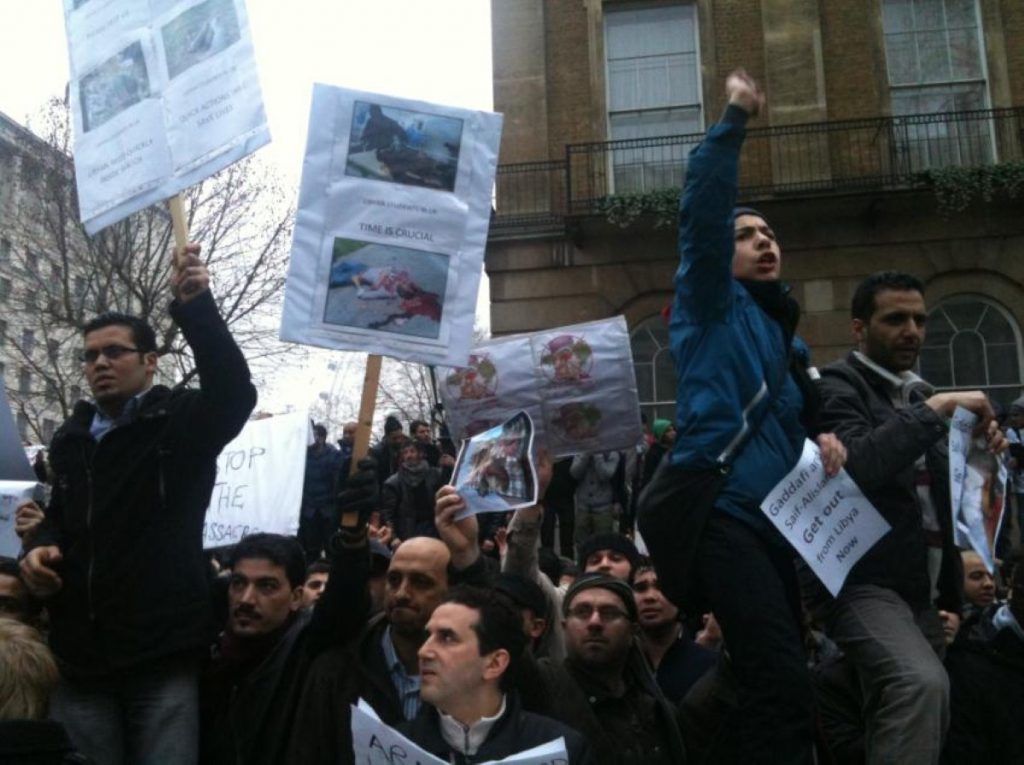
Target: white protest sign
977,487
828,521
394,208
12,494
375,743
259,481
14,464
577,384
163,95
494,471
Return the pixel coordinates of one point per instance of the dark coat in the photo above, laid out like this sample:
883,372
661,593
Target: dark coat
128,512
515,732
400,505
37,742
882,445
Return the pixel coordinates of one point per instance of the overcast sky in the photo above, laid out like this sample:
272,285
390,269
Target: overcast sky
432,50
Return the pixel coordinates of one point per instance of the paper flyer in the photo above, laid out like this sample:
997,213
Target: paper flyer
977,485
494,471
828,521
394,208
163,95
577,383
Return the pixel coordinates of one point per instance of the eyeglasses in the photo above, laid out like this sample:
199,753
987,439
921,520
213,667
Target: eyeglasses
111,352
606,614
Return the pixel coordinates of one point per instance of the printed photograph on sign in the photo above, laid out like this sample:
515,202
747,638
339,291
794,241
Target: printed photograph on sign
117,84
476,381
386,288
494,471
200,32
983,489
403,146
577,421
567,359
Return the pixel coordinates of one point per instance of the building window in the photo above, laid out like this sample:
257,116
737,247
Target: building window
28,341
23,427
934,55
3,332
32,262
655,370
76,393
5,288
5,252
973,343
654,89
24,381
48,427
53,351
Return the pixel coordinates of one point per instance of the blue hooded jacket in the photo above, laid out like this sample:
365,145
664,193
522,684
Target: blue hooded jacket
729,353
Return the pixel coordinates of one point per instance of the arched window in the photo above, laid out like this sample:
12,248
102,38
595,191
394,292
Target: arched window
972,343
655,371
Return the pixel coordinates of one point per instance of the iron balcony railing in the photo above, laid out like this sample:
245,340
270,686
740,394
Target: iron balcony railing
792,160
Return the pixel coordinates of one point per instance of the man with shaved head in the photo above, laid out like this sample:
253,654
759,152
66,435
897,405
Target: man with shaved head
377,659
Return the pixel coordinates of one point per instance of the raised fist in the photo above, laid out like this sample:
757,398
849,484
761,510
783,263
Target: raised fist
740,89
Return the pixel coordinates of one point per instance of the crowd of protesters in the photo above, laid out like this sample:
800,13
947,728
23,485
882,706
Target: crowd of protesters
479,637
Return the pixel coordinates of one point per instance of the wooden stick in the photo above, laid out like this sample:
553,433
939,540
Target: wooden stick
180,225
366,406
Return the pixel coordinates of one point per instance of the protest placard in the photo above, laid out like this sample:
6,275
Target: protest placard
494,471
576,383
828,521
375,743
977,487
12,494
259,481
394,208
162,96
14,464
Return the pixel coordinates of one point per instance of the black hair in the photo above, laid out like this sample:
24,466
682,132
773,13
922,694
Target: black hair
318,567
500,625
278,549
142,334
415,424
318,428
863,304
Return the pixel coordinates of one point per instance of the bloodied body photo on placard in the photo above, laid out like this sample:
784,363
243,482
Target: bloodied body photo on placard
389,236
494,471
391,289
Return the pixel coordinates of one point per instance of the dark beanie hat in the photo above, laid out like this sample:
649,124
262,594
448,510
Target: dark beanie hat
524,592
738,211
610,541
610,583
391,424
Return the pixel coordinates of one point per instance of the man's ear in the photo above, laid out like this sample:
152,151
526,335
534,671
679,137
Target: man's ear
859,327
149,360
296,603
496,664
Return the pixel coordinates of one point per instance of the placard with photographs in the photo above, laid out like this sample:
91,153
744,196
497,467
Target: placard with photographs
392,223
579,389
494,471
163,95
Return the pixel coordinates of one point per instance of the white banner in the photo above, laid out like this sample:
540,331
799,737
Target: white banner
259,481
828,521
12,494
977,486
576,383
163,95
389,238
375,743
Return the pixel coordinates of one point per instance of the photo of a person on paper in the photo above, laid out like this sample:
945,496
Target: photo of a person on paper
403,146
494,471
117,84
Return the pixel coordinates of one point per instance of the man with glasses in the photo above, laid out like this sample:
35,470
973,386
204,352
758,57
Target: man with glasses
119,556
604,688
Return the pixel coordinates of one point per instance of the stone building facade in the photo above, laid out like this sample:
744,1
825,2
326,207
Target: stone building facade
880,113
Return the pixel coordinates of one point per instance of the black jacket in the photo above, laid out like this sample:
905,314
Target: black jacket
37,742
128,512
882,444
401,504
515,732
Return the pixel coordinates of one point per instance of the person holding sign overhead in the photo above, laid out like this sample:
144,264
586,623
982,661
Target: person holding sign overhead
745,405
895,428
119,555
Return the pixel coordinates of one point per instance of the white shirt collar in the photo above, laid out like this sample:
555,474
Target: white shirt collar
467,739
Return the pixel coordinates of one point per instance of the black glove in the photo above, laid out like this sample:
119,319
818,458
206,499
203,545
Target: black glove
362,492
